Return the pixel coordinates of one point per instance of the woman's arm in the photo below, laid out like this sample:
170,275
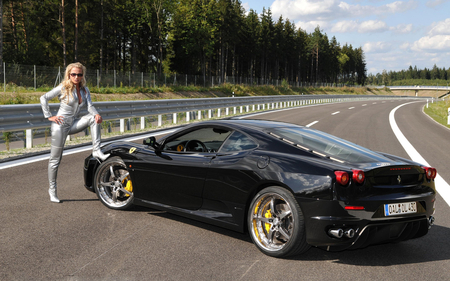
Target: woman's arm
46,98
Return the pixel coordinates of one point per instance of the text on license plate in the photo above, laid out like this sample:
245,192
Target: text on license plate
400,208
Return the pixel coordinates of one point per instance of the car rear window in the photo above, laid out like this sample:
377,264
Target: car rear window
238,142
326,144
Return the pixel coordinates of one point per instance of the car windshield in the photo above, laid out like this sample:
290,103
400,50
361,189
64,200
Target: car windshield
327,145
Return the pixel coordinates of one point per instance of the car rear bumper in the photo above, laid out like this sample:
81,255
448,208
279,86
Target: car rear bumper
336,228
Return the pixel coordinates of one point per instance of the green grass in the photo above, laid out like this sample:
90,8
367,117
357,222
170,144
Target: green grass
439,111
20,95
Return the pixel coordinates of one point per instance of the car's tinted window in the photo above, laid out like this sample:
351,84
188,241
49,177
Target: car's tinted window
327,144
237,142
212,138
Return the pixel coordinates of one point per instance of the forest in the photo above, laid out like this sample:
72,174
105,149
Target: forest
412,76
195,37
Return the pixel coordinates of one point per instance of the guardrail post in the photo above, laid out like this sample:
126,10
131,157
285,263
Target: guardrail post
142,122
29,138
122,125
188,116
448,118
218,112
209,114
159,120
174,118
199,117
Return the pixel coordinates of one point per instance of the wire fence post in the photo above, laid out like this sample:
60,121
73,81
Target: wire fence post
4,77
35,77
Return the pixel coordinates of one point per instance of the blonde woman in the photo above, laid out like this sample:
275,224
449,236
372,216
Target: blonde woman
74,95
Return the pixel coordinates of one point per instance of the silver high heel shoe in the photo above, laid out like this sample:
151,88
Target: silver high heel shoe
52,193
99,155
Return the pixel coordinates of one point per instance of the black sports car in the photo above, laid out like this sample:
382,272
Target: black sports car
290,187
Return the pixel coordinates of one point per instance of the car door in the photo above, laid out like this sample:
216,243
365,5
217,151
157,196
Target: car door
231,176
175,174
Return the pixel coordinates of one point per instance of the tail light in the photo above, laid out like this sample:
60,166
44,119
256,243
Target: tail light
430,173
342,177
358,176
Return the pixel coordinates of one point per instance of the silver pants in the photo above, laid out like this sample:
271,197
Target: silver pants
60,132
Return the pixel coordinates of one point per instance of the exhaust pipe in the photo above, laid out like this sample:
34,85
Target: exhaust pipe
349,233
336,232
430,221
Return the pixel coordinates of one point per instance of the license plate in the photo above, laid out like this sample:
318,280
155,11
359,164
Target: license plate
400,208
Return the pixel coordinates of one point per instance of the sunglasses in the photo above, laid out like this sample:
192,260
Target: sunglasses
76,74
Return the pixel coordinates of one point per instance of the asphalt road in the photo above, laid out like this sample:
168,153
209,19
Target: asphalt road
80,239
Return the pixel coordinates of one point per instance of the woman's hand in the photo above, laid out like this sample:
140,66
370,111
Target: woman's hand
57,119
98,119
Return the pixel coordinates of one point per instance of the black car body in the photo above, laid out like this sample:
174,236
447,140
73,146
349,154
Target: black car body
290,186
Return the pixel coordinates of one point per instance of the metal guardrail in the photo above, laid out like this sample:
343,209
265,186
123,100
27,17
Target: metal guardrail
30,117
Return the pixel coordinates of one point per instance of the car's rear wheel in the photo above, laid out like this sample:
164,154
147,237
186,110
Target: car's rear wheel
113,186
276,223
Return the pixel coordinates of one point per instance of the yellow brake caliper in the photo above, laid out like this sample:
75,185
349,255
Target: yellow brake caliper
128,187
267,215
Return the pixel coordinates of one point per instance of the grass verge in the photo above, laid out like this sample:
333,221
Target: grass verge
439,111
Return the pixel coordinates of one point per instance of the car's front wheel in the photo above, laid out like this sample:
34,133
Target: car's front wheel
113,186
276,223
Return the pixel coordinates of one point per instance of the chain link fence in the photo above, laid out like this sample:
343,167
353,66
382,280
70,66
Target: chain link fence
33,77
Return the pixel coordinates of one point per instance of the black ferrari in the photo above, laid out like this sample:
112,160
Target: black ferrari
289,186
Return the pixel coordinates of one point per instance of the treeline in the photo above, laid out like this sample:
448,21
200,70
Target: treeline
411,76
201,37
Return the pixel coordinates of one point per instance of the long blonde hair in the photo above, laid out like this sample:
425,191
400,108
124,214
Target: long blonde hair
67,85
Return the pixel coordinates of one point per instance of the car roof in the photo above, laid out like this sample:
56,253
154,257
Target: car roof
256,124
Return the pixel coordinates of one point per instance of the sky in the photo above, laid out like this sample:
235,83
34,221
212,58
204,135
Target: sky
393,34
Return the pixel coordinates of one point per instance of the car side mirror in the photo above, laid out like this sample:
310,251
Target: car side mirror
151,141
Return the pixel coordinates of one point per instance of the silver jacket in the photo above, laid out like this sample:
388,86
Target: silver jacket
68,107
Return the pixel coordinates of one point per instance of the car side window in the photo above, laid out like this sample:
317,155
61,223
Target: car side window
207,139
238,142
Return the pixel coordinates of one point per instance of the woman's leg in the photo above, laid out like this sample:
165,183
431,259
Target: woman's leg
81,124
59,135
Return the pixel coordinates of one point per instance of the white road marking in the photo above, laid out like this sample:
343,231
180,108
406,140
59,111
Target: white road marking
337,112
351,107
441,185
364,104
312,123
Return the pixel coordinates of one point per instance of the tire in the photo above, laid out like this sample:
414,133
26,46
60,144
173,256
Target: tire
276,223
112,183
